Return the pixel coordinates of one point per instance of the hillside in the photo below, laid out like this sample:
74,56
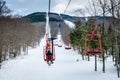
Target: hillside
38,19
54,17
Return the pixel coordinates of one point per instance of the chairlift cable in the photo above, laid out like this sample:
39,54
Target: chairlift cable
64,12
67,6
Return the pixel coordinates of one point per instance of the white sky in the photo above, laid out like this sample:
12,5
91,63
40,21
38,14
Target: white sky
24,7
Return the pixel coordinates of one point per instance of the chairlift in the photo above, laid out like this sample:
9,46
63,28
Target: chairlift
92,43
48,57
59,43
69,45
49,51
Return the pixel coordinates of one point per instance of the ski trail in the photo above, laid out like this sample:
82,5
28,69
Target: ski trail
65,67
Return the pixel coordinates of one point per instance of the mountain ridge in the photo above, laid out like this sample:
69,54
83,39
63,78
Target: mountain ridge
55,17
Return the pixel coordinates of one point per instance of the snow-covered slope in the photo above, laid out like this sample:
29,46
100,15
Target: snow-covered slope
70,24
65,67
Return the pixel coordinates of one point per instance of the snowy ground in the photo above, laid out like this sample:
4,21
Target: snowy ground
65,67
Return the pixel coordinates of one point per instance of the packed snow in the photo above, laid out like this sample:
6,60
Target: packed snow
65,67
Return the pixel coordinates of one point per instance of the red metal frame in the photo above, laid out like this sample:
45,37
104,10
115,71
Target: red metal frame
68,47
45,48
48,57
98,49
44,53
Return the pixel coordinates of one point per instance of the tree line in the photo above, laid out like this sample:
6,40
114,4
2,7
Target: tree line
17,34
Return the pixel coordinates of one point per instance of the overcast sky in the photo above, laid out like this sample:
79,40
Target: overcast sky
24,7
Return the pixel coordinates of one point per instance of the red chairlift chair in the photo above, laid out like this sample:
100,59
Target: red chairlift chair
69,45
59,43
46,56
93,43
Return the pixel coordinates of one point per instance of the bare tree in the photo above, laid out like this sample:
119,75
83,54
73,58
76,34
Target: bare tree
16,38
3,8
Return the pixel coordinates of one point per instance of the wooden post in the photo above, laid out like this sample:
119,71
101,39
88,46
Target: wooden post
95,63
118,71
88,57
103,55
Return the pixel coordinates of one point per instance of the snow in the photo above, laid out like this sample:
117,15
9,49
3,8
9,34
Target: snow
70,24
65,67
